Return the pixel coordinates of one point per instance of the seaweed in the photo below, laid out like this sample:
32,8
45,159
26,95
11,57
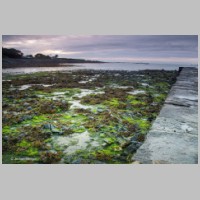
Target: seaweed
115,116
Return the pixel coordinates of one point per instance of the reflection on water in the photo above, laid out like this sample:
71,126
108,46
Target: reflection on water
97,66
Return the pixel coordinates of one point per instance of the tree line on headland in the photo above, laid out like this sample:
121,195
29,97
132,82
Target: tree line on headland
15,53
16,58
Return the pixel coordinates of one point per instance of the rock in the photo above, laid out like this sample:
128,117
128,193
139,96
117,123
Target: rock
19,109
66,130
99,126
102,135
160,162
100,110
104,144
98,162
123,143
33,96
29,108
25,117
136,162
26,104
135,137
53,107
48,126
108,140
64,102
4,105
55,130
133,146
48,134
11,97
52,128
22,135
78,161
5,138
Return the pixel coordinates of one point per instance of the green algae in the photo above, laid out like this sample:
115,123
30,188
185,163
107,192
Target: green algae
24,143
30,152
36,120
6,130
113,102
160,98
26,148
79,129
137,102
67,117
110,140
143,124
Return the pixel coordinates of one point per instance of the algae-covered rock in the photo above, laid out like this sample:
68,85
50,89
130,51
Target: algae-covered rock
52,129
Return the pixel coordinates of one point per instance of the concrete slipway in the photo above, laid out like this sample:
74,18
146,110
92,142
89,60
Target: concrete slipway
173,137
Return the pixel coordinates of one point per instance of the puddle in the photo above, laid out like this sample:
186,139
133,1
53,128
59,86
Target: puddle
59,93
90,79
46,85
77,104
82,93
120,87
12,112
137,92
85,92
144,84
24,87
74,142
83,82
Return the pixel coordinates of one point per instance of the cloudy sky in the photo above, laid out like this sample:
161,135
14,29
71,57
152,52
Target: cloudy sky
129,48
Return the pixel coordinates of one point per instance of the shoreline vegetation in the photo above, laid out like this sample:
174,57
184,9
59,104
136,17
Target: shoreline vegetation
79,117
40,62
13,58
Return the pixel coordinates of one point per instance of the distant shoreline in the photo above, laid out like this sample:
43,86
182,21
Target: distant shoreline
36,62
54,62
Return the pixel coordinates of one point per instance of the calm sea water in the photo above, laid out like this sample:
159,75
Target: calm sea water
92,66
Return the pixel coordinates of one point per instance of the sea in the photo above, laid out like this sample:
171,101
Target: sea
98,66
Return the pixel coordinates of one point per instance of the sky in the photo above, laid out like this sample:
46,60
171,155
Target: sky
117,48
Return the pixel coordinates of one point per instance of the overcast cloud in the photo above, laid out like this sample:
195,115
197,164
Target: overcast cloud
131,48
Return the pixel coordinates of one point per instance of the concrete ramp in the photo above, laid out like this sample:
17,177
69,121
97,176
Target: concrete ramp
173,137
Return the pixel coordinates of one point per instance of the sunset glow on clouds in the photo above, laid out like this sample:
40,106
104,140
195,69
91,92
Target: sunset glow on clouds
119,48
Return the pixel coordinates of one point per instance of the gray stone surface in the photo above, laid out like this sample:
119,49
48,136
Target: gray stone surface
173,137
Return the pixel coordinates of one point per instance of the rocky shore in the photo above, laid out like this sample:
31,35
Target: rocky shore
78,117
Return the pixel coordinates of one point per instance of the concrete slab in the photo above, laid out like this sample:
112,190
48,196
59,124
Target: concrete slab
173,137
168,148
